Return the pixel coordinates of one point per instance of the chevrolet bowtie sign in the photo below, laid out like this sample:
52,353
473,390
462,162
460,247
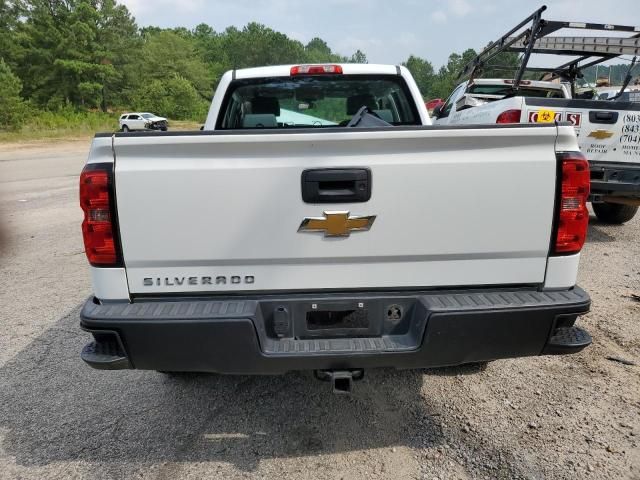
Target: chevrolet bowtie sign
337,224
601,134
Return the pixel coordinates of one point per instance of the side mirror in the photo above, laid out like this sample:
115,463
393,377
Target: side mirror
437,111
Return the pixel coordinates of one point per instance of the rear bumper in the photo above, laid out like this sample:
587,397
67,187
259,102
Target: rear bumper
238,336
615,180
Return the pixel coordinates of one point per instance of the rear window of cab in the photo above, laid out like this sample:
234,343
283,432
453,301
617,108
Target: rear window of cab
315,101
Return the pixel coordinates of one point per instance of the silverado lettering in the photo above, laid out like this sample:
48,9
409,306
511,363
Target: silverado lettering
204,280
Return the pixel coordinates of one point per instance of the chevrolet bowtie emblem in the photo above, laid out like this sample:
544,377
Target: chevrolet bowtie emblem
336,224
601,134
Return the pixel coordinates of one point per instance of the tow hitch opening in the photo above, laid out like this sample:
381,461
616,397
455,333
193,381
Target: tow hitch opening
341,380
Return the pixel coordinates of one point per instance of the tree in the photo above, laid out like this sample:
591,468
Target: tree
13,109
422,72
257,45
503,65
358,57
174,97
616,73
87,54
166,54
10,12
317,51
72,43
185,102
318,46
448,75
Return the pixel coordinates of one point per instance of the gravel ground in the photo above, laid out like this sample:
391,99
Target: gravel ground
537,418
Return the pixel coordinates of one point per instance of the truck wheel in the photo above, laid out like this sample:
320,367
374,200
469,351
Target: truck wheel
125,129
614,213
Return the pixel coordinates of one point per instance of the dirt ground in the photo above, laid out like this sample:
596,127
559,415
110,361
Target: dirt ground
537,418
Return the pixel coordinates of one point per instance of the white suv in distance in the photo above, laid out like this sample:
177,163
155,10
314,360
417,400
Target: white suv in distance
142,121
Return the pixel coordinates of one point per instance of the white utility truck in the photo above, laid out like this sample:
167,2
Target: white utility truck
608,130
319,222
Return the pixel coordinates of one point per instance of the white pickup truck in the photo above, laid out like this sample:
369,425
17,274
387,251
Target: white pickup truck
319,222
608,132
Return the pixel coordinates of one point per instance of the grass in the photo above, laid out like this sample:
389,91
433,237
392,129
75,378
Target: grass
185,125
68,124
63,124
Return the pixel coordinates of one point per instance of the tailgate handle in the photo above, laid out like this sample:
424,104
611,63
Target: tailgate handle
603,117
336,185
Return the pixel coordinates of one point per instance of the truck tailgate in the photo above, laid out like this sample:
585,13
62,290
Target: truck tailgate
220,212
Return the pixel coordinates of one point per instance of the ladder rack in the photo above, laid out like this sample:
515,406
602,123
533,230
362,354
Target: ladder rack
589,46
533,35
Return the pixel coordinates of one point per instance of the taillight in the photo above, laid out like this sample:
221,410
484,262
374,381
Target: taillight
432,104
98,226
509,116
572,217
315,69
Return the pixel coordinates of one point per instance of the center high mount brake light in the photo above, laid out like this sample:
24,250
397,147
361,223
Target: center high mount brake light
315,70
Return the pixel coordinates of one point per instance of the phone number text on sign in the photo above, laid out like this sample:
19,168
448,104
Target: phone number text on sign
630,138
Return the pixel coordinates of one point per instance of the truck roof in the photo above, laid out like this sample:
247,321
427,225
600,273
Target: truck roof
347,69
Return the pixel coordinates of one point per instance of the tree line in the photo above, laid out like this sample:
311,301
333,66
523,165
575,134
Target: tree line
90,55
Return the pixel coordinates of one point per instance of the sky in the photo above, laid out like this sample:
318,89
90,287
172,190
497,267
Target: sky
386,31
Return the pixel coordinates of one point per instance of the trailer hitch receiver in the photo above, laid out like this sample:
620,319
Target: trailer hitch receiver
341,380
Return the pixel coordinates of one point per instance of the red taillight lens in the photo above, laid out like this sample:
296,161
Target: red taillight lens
509,116
315,69
431,104
572,215
96,197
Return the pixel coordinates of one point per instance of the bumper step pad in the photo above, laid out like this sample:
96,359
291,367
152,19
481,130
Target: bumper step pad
386,343
105,354
567,340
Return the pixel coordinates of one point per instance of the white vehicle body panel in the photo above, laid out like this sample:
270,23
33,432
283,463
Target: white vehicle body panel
600,142
110,283
562,272
451,209
484,114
